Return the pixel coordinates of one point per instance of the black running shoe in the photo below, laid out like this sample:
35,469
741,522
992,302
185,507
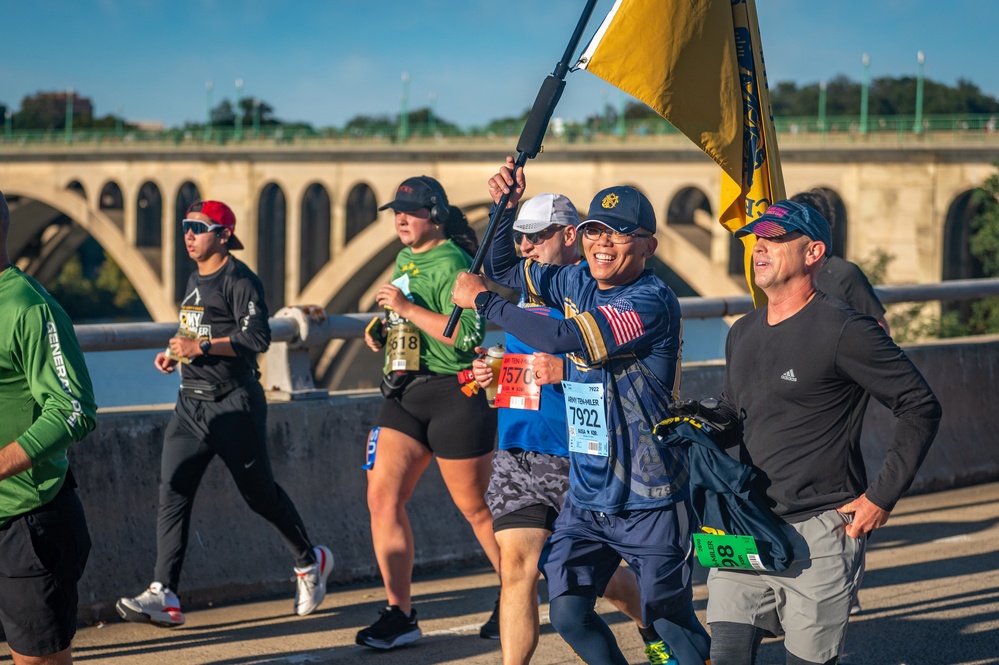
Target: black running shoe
490,629
393,629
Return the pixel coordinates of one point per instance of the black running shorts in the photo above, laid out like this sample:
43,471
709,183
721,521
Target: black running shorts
42,556
435,412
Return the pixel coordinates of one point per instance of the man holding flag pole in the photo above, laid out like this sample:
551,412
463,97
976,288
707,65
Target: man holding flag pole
700,65
797,369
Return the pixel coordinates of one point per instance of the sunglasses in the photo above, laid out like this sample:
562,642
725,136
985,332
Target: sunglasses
538,236
593,233
197,227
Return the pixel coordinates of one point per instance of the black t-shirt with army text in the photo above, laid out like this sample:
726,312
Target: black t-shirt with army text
227,303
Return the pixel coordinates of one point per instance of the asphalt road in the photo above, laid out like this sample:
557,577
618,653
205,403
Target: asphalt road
930,597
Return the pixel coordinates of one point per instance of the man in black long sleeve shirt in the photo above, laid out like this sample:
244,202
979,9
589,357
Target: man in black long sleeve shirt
795,380
221,410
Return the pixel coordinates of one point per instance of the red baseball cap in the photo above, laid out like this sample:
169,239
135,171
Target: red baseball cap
222,215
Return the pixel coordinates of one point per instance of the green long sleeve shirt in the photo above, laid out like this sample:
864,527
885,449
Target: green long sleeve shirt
46,396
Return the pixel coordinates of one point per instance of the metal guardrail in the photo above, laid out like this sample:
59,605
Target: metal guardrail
958,289
287,327
294,330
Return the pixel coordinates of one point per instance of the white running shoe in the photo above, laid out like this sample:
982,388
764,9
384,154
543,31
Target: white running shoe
312,581
157,605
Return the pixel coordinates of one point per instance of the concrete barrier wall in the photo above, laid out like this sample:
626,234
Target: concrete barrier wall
317,448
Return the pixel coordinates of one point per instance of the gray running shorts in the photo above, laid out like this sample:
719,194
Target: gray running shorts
809,602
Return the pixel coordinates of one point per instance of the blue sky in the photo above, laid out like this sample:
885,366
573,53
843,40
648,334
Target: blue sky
325,61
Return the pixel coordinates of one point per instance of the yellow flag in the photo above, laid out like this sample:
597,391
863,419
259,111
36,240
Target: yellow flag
699,64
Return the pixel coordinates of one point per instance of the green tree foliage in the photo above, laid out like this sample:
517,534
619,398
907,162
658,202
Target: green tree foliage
370,125
985,248
109,296
47,111
886,96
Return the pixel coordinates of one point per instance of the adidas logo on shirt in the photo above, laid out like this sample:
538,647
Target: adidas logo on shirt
789,375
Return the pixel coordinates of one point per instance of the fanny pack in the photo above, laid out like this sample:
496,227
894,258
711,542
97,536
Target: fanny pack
395,384
212,392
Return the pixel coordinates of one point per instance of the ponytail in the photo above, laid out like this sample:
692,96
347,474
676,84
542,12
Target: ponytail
457,229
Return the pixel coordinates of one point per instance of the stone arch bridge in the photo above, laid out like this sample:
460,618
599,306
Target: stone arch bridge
308,217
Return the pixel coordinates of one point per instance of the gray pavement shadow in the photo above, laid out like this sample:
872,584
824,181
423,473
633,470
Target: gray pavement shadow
910,573
923,636
901,535
344,617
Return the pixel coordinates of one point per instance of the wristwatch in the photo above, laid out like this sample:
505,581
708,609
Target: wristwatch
206,346
482,299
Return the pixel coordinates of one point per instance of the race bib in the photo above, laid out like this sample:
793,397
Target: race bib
402,348
517,387
585,416
721,551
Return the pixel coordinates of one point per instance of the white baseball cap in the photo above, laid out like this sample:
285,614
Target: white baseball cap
543,210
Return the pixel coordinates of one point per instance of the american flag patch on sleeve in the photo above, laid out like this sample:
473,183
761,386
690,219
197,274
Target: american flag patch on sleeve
625,323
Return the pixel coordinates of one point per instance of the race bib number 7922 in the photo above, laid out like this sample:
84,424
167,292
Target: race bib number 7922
585,416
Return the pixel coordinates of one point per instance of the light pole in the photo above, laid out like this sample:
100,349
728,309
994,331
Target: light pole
822,106
431,117
621,130
69,115
238,131
118,128
256,117
918,125
864,82
604,112
403,130
7,115
208,113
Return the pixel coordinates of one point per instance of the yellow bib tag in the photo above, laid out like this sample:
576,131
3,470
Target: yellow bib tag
403,348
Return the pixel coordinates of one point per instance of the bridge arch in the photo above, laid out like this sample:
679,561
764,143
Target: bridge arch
112,203
689,213
77,187
104,230
316,232
272,215
149,215
360,211
958,261
187,194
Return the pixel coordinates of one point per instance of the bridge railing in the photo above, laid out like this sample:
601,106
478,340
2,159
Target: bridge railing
294,330
877,129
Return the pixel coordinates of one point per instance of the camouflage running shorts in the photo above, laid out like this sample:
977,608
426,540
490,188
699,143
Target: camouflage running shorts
523,479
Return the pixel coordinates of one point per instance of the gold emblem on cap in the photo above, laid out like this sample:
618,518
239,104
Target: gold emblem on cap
609,201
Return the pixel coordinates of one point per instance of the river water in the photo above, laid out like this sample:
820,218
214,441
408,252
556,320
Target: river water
128,378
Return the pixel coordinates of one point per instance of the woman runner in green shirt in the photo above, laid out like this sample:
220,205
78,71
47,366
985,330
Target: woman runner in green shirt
425,412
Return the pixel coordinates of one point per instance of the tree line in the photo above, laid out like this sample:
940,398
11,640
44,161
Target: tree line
886,96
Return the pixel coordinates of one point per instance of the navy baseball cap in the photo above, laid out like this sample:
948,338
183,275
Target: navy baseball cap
787,216
623,209
415,193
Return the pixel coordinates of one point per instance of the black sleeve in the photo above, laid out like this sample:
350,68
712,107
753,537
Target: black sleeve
867,355
253,332
859,293
502,265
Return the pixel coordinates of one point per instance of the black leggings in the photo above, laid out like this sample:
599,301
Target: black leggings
574,618
234,429
738,644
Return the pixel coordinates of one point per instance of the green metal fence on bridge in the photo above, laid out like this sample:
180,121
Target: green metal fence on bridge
874,130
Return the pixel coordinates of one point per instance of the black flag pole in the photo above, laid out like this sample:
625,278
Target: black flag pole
529,144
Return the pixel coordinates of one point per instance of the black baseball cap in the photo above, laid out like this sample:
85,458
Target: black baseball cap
415,193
